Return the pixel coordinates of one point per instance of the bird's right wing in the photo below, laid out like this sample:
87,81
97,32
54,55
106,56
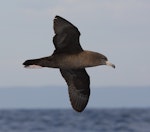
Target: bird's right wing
78,83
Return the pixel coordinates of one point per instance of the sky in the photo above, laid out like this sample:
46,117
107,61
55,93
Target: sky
119,29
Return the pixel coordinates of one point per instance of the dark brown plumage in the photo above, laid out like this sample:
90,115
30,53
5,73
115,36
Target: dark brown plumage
72,60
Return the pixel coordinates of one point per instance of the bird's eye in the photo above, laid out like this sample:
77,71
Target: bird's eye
104,58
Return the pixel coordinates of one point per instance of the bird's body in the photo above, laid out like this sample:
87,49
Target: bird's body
79,60
72,60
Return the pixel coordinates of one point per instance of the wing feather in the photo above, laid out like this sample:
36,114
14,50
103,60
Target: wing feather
66,39
78,87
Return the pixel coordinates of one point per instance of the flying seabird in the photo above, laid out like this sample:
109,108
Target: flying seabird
72,60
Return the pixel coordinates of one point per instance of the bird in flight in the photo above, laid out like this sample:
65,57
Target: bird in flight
71,60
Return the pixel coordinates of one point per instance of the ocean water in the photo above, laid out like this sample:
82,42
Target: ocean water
64,120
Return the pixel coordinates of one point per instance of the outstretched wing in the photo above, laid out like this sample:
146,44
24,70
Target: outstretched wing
78,83
66,39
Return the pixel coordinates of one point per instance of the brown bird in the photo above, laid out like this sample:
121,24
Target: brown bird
72,60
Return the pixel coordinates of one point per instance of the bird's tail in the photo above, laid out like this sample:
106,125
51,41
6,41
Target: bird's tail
36,63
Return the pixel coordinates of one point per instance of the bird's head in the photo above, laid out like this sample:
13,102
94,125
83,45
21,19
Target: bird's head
104,61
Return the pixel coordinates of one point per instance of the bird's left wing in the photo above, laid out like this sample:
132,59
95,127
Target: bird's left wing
66,39
78,83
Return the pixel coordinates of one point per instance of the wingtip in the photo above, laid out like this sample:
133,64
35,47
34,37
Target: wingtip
78,110
57,16
78,102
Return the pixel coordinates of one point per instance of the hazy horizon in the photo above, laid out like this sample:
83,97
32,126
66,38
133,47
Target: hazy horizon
57,97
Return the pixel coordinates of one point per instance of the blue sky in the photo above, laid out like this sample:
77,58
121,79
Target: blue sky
118,29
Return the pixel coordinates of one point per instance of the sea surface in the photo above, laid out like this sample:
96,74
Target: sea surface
67,120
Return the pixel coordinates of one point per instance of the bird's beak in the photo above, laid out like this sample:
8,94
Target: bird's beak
110,64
